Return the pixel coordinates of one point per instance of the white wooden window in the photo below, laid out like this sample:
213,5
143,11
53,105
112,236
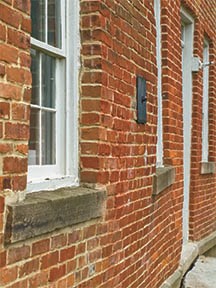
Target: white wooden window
157,9
205,107
53,148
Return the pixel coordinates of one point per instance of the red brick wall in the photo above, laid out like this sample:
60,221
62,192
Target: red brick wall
138,241
15,84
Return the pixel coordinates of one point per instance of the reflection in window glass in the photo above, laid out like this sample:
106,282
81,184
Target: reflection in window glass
38,19
34,142
35,64
48,81
48,138
54,23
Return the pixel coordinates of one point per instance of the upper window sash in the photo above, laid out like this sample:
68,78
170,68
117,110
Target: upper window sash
48,29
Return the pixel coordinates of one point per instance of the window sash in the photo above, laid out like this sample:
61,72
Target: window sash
68,58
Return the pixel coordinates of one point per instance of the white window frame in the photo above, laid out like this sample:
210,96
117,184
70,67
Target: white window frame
65,173
159,147
205,106
187,56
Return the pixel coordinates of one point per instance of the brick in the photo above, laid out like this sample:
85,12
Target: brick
67,253
5,148
18,39
29,267
2,255
22,149
20,284
10,91
2,32
2,70
16,131
49,260
57,272
2,204
4,110
40,247
25,60
9,16
18,75
8,275
58,241
38,280
74,237
23,5
19,111
26,24
19,183
14,165
18,253
8,54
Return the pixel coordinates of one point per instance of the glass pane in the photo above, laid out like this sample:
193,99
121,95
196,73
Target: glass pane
54,23
38,19
35,62
48,81
34,142
48,138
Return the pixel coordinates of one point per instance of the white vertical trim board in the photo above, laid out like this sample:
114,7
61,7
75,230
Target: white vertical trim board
205,106
187,55
157,9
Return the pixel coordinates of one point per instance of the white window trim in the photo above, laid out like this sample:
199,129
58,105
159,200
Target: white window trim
205,106
159,147
51,180
187,56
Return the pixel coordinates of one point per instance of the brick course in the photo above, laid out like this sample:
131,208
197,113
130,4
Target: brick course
138,241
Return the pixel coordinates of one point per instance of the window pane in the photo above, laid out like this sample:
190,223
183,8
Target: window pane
48,138
34,142
54,23
48,81
38,19
35,63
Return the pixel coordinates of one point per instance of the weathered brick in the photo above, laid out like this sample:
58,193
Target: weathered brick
8,54
8,275
10,91
40,247
16,131
14,165
18,253
19,75
57,272
4,110
18,39
9,15
29,267
67,253
49,260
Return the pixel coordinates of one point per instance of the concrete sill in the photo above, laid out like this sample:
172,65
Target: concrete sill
208,168
164,177
47,211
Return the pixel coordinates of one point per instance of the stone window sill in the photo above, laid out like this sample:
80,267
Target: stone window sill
208,168
164,177
47,211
